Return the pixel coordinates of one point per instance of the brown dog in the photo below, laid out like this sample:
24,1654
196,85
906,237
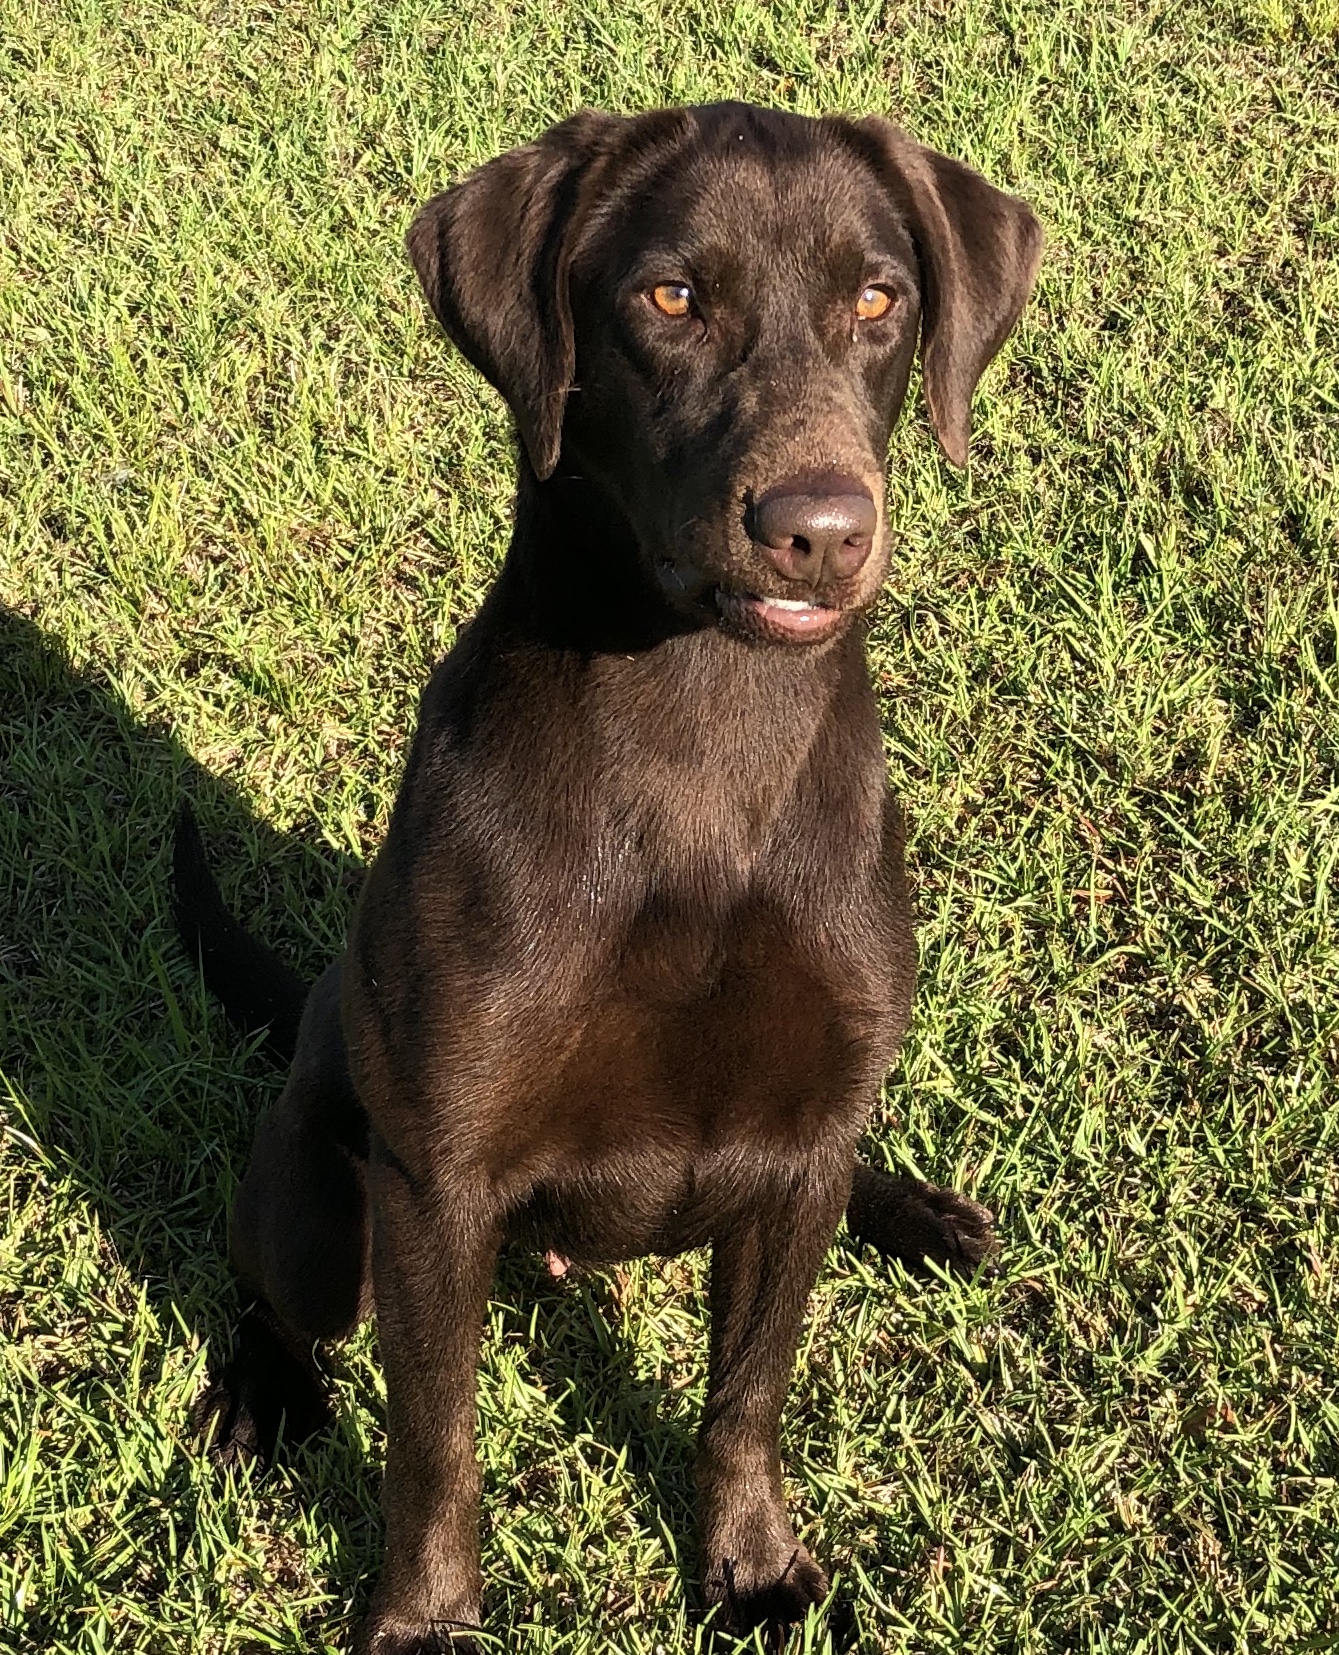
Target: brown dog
636,954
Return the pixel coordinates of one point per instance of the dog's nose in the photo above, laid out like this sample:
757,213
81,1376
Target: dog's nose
814,526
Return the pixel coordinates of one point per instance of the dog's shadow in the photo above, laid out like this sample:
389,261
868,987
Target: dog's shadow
126,1082
133,1091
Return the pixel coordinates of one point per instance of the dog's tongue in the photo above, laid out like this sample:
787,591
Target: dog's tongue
779,618
558,1266
797,618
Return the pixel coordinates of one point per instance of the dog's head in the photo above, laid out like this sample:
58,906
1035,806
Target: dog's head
711,314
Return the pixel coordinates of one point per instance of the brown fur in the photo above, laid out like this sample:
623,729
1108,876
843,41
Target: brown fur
636,953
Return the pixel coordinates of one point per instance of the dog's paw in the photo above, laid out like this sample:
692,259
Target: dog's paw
264,1393
909,1221
386,1634
770,1594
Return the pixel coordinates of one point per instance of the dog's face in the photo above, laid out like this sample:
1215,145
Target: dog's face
711,314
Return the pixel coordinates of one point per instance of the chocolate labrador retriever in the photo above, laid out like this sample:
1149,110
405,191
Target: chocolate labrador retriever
636,954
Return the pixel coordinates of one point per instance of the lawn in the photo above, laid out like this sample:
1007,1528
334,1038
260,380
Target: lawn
247,494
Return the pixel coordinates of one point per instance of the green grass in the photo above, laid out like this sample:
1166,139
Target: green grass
247,495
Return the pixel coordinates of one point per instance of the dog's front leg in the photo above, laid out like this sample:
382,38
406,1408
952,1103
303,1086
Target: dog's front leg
762,1269
434,1247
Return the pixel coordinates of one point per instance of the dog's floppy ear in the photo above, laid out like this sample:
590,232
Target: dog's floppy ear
492,254
979,250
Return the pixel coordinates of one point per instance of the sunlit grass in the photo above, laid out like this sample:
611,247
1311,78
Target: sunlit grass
246,496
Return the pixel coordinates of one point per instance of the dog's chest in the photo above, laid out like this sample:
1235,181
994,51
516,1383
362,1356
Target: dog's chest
702,1030
714,1059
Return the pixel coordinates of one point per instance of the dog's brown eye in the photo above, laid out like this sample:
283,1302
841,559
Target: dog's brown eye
873,303
673,298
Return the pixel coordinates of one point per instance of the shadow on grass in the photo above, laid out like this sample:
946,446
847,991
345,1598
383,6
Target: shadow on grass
124,1073
137,1094
121,1077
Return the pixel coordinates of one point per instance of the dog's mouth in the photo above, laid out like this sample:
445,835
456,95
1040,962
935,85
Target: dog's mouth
757,617
777,620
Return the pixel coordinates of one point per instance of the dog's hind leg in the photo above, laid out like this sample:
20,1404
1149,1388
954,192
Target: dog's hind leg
907,1220
298,1239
